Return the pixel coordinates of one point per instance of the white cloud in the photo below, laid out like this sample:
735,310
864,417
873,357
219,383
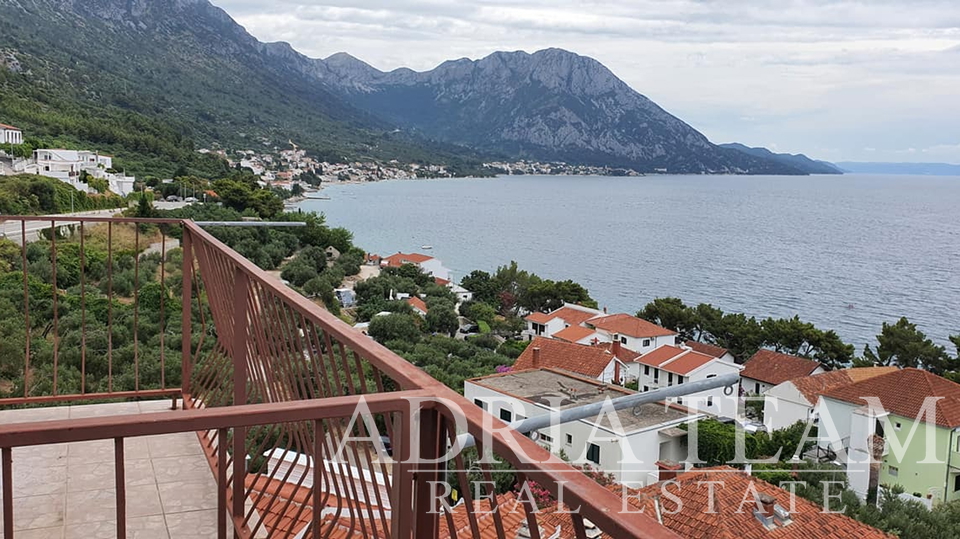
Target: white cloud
803,75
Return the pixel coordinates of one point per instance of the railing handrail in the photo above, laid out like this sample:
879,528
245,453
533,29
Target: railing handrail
89,219
200,419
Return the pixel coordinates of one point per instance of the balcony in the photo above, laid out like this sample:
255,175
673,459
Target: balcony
202,398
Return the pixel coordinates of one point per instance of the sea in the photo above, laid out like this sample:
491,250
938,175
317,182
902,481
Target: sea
844,252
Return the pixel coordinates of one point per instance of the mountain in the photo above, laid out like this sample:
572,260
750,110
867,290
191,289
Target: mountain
152,80
918,169
549,105
798,161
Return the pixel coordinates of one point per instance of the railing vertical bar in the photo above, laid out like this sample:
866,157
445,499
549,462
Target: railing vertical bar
579,527
26,309
431,439
240,292
402,504
83,314
222,484
186,285
110,307
56,318
530,508
317,477
7,458
464,485
163,318
121,487
136,307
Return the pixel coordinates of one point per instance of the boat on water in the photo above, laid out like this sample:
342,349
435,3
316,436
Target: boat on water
426,247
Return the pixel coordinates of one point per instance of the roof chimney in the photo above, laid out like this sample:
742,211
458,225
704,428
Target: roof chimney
766,505
668,469
615,349
604,309
536,357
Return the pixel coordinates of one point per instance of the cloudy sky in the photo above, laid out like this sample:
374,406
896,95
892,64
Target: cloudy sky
868,80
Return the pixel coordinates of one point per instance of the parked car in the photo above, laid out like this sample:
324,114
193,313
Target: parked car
190,199
468,329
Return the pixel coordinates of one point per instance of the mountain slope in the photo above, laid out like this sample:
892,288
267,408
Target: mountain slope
799,161
149,78
552,104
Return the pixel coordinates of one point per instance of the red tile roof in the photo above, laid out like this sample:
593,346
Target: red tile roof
570,315
631,326
418,304
688,510
400,259
903,393
573,333
539,318
577,358
675,359
775,368
441,282
5,126
708,349
811,387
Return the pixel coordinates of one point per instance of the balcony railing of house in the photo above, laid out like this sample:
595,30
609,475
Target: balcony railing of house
268,380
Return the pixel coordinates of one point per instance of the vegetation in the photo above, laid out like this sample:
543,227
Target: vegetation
27,194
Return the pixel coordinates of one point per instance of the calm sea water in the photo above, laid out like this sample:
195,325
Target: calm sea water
846,253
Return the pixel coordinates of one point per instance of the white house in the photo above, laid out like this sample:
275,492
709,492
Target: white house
418,305
798,399
428,264
632,332
768,368
67,166
672,365
10,135
549,324
627,444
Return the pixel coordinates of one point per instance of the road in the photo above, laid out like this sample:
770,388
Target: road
12,229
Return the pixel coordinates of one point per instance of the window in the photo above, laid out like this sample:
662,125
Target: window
545,438
646,388
711,376
756,388
958,444
679,379
709,400
679,400
956,482
656,375
569,439
623,340
480,403
669,378
646,370
646,343
894,471
593,453
506,415
897,425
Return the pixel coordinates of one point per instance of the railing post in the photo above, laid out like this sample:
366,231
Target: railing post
241,284
186,324
427,523
6,455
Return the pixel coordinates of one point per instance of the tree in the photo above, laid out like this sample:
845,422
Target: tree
672,314
795,337
902,344
442,318
394,327
482,286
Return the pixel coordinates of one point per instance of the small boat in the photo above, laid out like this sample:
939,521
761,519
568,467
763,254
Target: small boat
426,247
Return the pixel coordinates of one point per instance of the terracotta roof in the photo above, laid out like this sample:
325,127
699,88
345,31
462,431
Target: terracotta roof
441,282
776,368
625,354
675,359
5,126
696,516
811,387
903,393
708,349
573,333
578,358
539,318
631,326
418,304
400,259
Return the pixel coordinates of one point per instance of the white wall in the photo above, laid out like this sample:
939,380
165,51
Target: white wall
643,345
11,136
435,267
784,405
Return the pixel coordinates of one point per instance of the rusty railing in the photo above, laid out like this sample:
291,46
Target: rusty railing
272,384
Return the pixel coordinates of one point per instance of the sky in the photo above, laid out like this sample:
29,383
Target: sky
868,80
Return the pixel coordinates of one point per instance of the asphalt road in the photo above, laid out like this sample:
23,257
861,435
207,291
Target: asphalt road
12,230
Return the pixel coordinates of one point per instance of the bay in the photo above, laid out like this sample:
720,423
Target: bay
844,252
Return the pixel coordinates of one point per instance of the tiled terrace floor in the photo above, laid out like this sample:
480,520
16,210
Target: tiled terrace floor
66,491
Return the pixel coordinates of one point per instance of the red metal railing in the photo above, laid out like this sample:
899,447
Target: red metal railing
271,383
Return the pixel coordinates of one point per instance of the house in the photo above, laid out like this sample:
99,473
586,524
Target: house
418,305
627,444
68,166
724,503
672,365
711,350
797,399
767,368
427,264
911,439
603,363
10,135
633,332
548,324
463,295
